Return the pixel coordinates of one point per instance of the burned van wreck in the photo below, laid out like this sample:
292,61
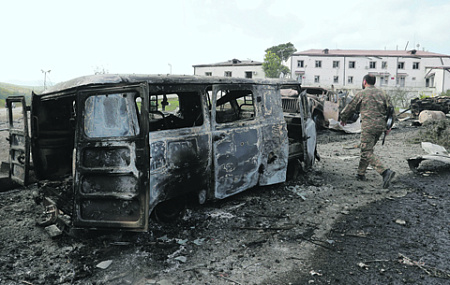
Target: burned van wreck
127,146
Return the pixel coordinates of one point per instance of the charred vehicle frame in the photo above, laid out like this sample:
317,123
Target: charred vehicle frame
130,145
325,104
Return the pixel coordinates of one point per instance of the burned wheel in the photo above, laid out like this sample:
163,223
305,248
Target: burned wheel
170,210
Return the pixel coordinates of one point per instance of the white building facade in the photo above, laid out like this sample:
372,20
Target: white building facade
231,68
415,72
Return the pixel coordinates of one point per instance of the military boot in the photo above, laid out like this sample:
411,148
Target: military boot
388,175
360,177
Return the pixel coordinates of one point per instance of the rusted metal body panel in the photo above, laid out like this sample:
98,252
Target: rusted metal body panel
326,105
330,110
132,142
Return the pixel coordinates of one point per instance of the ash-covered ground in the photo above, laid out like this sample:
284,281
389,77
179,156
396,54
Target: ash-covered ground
323,228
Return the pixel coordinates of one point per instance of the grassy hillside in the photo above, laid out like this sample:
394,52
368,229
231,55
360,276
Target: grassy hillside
7,89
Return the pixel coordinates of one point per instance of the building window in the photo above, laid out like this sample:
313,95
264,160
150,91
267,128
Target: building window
336,64
316,79
227,74
429,82
350,80
384,64
415,65
336,79
401,65
351,64
373,64
401,81
384,80
300,63
208,73
248,74
318,63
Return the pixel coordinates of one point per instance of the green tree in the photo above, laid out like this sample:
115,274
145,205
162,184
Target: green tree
283,51
272,65
399,97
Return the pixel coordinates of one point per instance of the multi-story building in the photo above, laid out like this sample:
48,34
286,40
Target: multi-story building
416,72
231,68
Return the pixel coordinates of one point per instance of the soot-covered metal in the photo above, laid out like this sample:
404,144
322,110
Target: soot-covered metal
130,145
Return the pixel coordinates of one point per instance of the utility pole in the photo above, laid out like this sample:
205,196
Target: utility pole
45,77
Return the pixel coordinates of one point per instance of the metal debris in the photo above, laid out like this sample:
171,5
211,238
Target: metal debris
104,264
435,152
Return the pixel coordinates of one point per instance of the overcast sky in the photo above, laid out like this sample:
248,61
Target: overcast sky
76,38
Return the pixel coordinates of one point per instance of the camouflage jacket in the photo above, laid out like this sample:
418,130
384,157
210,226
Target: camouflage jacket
372,103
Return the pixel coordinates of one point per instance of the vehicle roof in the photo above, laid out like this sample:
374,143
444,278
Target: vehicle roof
108,79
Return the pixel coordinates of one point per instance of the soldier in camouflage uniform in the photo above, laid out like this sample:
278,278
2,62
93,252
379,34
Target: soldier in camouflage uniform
372,103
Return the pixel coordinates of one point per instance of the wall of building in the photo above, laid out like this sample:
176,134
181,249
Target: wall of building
389,76
236,70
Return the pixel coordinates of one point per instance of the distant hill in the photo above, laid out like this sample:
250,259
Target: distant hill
7,89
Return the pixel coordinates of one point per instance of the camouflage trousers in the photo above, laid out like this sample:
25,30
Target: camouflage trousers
369,138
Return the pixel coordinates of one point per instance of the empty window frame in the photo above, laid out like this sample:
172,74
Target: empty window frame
227,74
351,64
401,65
415,65
17,117
316,79
384,65
248,74
336,79
111,115
175,110
300,63
335,63
208,73
372,64
350,80
234,106
318,63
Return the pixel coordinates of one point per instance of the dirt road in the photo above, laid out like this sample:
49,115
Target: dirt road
323,228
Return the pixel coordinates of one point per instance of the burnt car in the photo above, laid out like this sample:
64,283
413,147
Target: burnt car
438,103
109,150
325,104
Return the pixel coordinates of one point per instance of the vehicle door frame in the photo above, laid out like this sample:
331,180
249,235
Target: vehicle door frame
139,160
18,145
230,135
168,174
309,131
